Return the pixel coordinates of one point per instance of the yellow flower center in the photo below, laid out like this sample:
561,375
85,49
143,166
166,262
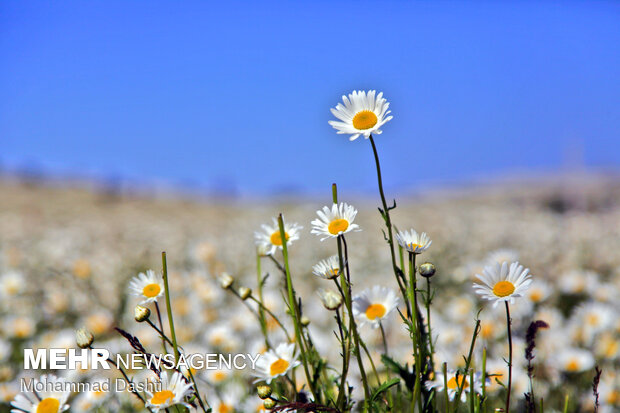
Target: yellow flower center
224,408
162,397
593,319
278,367
503,288
453,384
276,239
613,397
536,296
413,246
337,226
365,119
49,405
375,311
487,330
572,365
151,290
333,272
219,376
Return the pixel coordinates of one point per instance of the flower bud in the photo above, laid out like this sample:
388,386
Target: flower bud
269,404
263,391
141,313
331,300
427,269
226,280
84,338
305,321
245,292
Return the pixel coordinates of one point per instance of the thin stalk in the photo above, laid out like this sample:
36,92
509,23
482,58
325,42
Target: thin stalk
565,410
175,345
161,333
472,393
161,325
261,311
484,379
352,323
417,349
457,397
386,210
385,344
169,307
508,322
445,386
294,309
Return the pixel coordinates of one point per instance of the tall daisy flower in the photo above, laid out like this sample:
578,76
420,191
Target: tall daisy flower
374,305
335,221
46,401
453,382
362,113
268,239
413,242
149,287
173,389
276,363
503,283
328,268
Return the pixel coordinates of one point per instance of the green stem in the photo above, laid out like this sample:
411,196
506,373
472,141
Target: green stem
261,311
508,322
169,307
386,211
352,324
294,309
417,347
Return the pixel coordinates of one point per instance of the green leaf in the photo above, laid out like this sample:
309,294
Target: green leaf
383,388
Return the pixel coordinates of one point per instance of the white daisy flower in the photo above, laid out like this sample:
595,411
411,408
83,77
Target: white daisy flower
276,363
363,113
328,268
12,284
374,305
269,239
46,401
147,286
574,360
453,384
173,389
501,283
539,291
413,242
335,221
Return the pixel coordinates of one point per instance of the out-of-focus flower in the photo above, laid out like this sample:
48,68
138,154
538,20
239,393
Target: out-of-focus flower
413,242
454,382
335,221
501,283
172,391
147,286
50,400
574,360
363,113
276,363
374,305
269,238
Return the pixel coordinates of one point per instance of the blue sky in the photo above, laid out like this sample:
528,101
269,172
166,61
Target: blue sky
235,95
